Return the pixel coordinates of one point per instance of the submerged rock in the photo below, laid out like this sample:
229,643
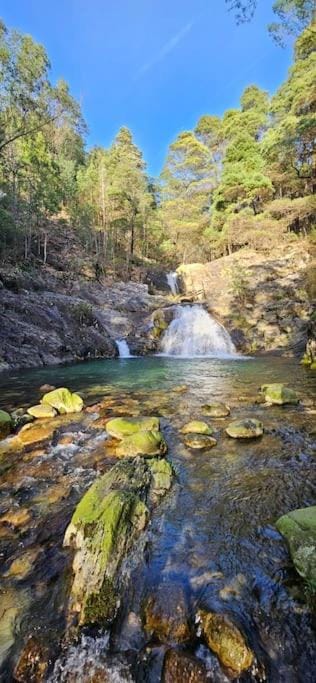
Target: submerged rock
63,401
196,427
5,424
216,410
41,411
142,443
279,394
228,643
166,616
33,663
199,441
102,531
245,429
121,427
299,530
162,473
181,667
12,605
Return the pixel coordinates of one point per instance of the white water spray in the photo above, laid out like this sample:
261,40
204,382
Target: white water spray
172,279
193,332
123,348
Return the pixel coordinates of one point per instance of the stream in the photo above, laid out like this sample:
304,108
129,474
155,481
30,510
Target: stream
213,535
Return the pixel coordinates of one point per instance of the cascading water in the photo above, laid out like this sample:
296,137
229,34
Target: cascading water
123,348
193,332
172,279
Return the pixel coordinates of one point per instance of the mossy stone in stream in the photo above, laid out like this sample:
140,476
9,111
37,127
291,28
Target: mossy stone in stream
42,411
5,424
299,530
63,401
278,394
199,441
245,429
162,473
197,427
215,410
142,443
165,614
228,643
120,427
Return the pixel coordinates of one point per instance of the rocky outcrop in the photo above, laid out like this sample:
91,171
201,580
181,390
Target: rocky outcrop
264,301
54,318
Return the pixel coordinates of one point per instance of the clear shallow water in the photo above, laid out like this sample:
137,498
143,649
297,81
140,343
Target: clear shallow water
213,534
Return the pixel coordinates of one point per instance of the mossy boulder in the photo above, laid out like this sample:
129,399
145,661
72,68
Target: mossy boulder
120,427
183,667
102,531
5,424
42,411
278,394
197,427
215,410
245,429
199,441
63,401
228,643
299,530
142,443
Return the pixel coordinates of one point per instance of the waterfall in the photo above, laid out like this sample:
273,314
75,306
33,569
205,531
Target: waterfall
172,279
123,349
193,332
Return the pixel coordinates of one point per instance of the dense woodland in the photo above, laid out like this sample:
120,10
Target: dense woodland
247,178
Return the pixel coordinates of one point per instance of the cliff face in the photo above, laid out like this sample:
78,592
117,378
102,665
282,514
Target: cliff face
48,318
265,302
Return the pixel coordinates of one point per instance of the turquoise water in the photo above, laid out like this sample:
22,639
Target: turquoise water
216,377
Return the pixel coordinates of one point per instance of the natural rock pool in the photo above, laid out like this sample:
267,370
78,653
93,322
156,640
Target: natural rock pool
211,543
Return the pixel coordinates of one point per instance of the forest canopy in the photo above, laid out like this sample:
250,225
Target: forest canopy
246,178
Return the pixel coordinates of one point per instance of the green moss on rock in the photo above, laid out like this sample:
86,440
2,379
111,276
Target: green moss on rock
142,443
63,401
245,429
215,410
278,394
299,530
197,427
120,427
5,424
42,411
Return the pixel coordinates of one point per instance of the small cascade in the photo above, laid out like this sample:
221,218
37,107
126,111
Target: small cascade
193,332
172,279
123,348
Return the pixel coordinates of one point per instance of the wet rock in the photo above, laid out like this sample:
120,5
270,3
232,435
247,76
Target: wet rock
42,411
228,643
245,429
17,517
196,427
199,441
181,389
181,667
22,566
216,410
166,616
12,604
142,443
103,529
46,387
278,394
5,424
299,530
121,427
162,473
34,433
63,401
33,663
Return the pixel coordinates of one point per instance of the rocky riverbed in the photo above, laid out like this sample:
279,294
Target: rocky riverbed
167,565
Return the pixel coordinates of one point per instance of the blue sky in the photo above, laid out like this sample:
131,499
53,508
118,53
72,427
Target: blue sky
152,65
